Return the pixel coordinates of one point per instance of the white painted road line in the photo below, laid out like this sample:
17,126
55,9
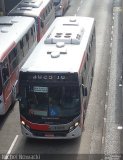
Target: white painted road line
11,147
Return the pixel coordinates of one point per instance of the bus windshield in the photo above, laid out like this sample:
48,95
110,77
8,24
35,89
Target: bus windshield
53,101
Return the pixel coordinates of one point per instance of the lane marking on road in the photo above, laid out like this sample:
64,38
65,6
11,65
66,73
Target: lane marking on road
11,147
120,127
117,9
78,9
103,140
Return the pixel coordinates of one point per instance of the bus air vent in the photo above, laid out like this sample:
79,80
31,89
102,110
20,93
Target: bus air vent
33,3
14,21
60,44
72,22
26,8
55,54
7,24
5,21
73,19
4,30
71,37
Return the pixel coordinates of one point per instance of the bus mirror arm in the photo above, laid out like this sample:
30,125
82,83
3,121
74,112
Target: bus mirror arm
18,98
84,90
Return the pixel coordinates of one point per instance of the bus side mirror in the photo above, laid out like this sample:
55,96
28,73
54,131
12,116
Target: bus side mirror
18,98
84,90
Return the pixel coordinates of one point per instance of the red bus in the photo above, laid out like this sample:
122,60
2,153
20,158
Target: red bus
60,7
42,10
15,46
55,82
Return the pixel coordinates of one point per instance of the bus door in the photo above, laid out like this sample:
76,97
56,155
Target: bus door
14,71
24,44
83,93
20,50
6,84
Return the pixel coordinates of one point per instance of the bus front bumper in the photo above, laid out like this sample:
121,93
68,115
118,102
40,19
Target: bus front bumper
71,135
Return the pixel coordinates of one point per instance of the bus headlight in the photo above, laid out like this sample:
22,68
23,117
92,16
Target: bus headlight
23,123
76,124
73,126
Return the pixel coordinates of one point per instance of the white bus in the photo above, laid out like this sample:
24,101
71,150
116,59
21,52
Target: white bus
60,7
42,10
55,82
18,37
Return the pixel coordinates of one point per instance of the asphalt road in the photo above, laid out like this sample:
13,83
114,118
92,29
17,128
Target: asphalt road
93,137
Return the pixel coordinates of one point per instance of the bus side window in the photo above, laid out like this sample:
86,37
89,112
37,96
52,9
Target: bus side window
27,37
43,17
31,31
13,59
5,71
46,12
89,49
21,44
42,24
25,46
34,28
34,32
19,51
87,57
85,66
48,9
51,5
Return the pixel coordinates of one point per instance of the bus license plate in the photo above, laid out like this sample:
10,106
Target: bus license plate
49,135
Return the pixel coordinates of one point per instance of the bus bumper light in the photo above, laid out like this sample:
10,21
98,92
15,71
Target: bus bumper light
73,126
23,123
76,132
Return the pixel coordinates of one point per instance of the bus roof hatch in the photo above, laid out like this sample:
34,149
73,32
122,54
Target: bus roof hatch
66,34
31,3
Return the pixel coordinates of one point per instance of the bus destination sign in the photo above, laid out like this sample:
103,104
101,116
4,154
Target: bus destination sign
50,77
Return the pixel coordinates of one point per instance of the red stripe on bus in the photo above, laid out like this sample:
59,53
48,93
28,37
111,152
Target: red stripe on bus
9,49
41,127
